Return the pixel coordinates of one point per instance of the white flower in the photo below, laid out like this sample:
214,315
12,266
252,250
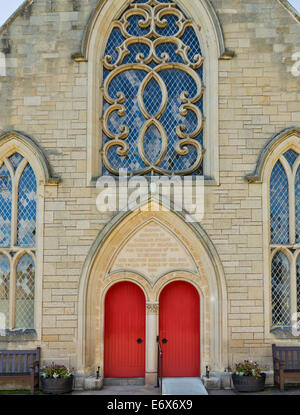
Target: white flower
55,375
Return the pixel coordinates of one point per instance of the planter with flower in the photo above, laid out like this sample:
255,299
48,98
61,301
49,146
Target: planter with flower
56,379
248,377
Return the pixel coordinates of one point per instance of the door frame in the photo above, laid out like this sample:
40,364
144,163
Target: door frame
97,277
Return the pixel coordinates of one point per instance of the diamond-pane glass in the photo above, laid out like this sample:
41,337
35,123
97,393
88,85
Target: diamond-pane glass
291,157
280,290
25,293
27,208
279,205
177,82
297,204
298,283
15,160
5,207
4,291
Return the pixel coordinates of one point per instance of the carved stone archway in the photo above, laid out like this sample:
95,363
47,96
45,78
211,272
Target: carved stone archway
125,250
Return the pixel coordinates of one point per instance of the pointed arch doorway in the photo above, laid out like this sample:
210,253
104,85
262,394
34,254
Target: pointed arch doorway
179,329
129,251
124,328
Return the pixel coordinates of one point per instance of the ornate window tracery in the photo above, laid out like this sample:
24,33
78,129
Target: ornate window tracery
18,195
153,93
284,238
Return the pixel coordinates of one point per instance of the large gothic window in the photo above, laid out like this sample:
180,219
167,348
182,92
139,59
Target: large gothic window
18,189
153,92
285,238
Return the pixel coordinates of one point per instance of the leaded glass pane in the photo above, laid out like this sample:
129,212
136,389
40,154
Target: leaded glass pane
5,207
15,160
280,290
298,282
25,293
153,105
291,157
279,205
297,204
4,291
27,208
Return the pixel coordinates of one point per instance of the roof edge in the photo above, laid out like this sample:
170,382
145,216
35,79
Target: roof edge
15,14
291,9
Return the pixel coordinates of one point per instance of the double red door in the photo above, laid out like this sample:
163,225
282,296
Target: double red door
179,330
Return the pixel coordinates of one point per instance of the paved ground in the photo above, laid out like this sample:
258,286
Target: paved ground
149,390
268,391
122,390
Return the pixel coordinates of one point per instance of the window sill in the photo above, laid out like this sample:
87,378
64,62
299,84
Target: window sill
18,335
284,333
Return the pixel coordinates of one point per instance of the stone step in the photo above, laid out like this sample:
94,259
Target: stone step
123,381
183,386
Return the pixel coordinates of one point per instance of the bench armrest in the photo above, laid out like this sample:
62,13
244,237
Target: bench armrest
34,365
281,362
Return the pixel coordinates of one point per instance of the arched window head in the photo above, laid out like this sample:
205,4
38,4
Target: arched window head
153,92
18,214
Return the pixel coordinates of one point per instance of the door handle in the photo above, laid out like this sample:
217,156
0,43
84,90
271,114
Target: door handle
164,341
139,341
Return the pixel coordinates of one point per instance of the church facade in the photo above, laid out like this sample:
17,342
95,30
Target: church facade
99,100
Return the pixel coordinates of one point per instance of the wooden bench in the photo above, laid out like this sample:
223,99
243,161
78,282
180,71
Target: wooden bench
21,365
286,362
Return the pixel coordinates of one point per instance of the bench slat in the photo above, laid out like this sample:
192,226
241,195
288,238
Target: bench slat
7,362
13,363
293,360
1,362
19,362
25,363
30,360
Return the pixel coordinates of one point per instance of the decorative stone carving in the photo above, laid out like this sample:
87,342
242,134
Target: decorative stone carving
152,308
161,44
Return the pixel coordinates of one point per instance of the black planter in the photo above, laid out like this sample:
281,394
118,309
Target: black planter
249,383
57,386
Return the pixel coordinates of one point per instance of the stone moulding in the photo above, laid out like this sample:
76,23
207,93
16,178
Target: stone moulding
82,56
257,175
33,147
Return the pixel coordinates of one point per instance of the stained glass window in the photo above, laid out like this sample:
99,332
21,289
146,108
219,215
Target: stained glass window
298,283
4,291
25,293
153,94
17,231
281,290
284,189
279,205
297,204
27,208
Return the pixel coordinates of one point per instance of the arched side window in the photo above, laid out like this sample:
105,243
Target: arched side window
153,93
18,194
284,238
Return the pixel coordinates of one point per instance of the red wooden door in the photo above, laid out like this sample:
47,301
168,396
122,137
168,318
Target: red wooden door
124,331
179,324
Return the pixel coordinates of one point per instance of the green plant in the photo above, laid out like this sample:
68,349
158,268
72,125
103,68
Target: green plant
247,368
56,371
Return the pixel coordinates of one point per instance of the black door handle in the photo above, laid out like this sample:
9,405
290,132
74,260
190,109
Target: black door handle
164,341
139,341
